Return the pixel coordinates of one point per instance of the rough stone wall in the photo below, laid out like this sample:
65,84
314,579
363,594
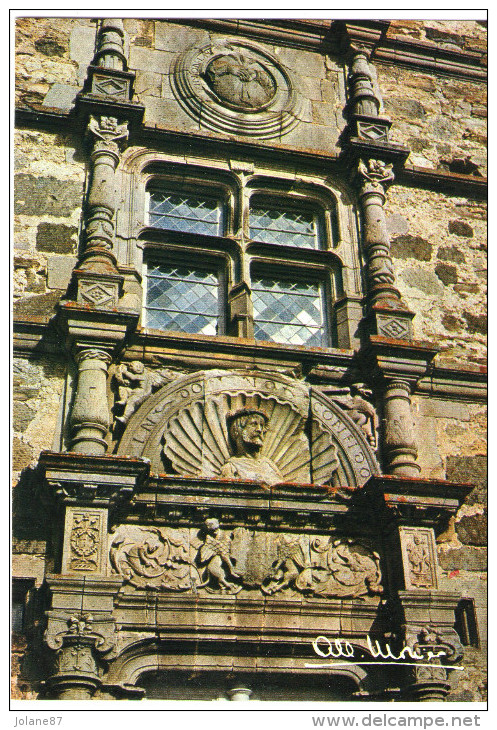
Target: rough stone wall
439,246
38,395
467,35
441,119
49,186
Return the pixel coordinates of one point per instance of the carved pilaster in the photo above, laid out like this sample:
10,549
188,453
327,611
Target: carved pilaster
110,44
85,541
399,439
240,692
90,417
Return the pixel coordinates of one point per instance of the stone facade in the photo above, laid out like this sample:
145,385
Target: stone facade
176,490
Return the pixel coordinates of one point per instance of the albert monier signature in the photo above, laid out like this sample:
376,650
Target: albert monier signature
337,648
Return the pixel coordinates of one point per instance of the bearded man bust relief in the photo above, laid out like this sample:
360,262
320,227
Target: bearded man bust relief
246,429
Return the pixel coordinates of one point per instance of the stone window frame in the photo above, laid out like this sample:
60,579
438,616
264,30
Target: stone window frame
337,262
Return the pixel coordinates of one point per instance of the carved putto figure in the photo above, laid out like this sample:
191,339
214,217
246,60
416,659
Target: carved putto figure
215,555
239,80
135,383
247,429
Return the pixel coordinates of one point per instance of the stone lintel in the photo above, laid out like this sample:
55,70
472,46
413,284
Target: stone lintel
99,481
399,358
415,501
86,325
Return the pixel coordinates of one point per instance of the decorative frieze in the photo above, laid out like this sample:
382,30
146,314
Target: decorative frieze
214,560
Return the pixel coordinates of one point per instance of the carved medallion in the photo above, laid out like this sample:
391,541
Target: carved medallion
234,86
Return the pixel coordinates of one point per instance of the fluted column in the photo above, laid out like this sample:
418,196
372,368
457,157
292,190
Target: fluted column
399,439
90,417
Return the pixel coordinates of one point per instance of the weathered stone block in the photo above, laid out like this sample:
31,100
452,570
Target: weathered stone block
415,247
56,238
42,304
21,454
471,469
22,415
451,253
472,529
446,273
61,96
397,225
172,37
50,46
425,281
465,558
437,408
405,107
46,195
451,323
59,270
476,322
460,228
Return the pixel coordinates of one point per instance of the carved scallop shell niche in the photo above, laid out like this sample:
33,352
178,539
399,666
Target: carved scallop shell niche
183,429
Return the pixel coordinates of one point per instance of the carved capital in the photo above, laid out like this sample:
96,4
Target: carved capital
107,134
93,354
374,175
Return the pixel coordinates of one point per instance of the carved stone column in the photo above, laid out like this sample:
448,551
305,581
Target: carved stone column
399,440
90,418
391,317
98,279
110,49
76,669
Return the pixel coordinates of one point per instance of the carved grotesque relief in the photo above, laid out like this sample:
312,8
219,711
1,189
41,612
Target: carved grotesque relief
234,86
355,400
214,560
135,383
256,426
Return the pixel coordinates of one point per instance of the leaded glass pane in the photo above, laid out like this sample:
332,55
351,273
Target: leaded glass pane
284,227
175,212
182,299
289,312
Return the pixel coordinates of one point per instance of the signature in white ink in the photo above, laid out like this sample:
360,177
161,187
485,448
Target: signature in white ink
341,648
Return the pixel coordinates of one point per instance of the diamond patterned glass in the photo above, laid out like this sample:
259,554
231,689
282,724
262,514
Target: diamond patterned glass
182,299
178,212
290,312
284,227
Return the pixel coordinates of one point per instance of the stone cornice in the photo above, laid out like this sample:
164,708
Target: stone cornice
439,180
336,36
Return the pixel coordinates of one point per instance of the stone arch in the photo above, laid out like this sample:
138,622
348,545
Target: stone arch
182,428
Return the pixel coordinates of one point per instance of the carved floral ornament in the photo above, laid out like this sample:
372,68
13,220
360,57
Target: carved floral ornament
213,560
233,86
254,426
